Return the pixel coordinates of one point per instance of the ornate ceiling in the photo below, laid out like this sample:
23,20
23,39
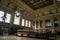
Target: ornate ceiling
37,4
31,9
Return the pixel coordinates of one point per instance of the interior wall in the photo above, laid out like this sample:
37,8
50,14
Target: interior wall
51,18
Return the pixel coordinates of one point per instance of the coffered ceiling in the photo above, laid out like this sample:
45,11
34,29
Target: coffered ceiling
37,4
40,5
31,9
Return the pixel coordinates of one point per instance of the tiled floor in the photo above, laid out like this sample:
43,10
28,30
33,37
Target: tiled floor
16,38
8,38
21,38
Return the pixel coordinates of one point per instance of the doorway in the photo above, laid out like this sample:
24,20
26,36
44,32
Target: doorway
5,31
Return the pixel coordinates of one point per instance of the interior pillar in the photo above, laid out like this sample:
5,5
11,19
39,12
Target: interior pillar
12,18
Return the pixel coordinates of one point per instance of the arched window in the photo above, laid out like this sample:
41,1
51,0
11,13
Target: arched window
1,15
8,17
23,22
17,18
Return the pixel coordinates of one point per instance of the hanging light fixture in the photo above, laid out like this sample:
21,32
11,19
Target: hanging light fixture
17,14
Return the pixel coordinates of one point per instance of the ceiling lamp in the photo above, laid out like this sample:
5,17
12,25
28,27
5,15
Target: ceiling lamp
17,14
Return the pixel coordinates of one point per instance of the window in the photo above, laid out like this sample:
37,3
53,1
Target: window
17,18
26,24
48,23
1,15
23,22
56,22
33,23
8,16
37,24
41,24
29,23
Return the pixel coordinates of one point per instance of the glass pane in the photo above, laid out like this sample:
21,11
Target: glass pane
48,23
26,23
22,22
55,20
33,23
37,24
29,24
8,17
1,15
41,22
56,24
17,20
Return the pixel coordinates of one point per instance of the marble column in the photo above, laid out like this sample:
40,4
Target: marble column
20,20
12,18
38,25
59,21
35,25
52,24
31,24
28,24
43,25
